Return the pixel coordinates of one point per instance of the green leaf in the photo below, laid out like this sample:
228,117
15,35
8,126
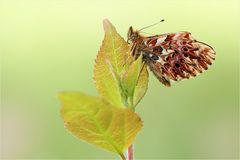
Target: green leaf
141,86
111,62
96,121
135,82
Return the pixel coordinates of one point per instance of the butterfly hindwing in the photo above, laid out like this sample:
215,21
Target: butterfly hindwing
176,56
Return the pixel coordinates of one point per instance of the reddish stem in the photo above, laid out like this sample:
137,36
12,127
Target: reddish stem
130,152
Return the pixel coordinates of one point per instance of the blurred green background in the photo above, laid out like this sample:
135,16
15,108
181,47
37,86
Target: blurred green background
48,46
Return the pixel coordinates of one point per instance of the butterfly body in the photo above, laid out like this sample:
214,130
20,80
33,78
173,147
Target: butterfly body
172,56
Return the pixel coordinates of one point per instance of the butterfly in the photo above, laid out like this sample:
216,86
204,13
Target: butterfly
171,56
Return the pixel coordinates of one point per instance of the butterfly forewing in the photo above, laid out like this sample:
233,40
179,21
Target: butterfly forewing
176,56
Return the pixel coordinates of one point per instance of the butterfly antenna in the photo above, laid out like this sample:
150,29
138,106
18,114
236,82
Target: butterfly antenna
151,25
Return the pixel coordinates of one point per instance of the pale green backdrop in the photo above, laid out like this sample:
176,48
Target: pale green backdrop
49,46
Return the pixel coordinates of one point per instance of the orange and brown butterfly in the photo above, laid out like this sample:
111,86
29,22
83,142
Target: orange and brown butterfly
171,56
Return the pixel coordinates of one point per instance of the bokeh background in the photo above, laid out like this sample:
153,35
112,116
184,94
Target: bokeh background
48,46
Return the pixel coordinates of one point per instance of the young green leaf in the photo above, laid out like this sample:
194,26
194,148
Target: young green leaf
141,86
96,121
119,78
134,82
110,63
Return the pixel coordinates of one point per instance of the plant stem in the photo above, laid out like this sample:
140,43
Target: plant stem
130,152
131,106
122,156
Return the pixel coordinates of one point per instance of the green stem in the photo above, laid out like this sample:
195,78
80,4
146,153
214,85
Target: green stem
131,104
122,156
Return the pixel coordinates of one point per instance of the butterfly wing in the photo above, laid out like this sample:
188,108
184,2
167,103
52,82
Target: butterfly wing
176,56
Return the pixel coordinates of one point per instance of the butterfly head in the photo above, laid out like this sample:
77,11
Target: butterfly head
132,36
